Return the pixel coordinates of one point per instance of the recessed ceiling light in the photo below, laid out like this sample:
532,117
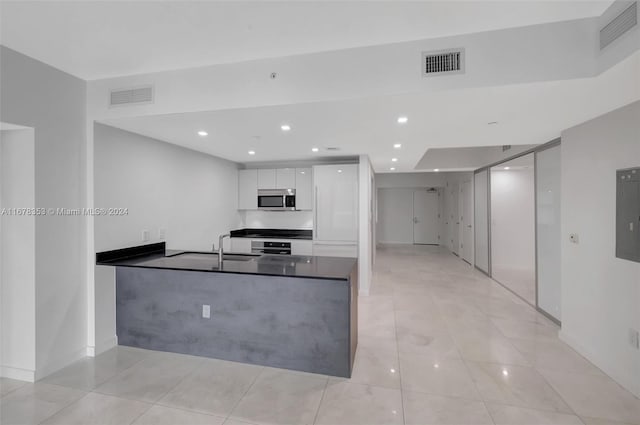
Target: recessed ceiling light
252,152
397,146
339,171
392,168
505,372
202,133
436,169
285,127
402,120
507,168
394,159
301,172
314,149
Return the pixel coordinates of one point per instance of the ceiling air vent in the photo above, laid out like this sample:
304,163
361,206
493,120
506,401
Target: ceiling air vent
619,25
131,96
443,62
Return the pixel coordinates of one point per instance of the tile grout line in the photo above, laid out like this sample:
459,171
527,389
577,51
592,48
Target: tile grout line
255,379
395,326
64,407
326,385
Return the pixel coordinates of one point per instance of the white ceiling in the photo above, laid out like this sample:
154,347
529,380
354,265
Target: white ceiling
112,38
526,114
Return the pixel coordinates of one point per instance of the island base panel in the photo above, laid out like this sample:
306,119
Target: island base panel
294,323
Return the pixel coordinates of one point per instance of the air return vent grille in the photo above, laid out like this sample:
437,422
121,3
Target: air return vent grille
443,62
619,25
131,96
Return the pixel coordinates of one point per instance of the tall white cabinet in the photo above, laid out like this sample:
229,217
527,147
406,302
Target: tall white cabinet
335,210
304,188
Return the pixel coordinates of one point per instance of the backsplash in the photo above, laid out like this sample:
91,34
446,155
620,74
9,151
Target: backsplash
278,219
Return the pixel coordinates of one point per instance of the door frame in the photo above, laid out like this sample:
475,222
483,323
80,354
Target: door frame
427,190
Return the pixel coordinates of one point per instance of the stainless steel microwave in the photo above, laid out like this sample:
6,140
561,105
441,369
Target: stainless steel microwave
277,199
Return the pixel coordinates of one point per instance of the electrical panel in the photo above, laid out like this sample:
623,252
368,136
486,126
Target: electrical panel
628,214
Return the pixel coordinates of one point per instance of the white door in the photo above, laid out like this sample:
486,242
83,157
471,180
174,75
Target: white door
395,215
454,223
467,222
425,217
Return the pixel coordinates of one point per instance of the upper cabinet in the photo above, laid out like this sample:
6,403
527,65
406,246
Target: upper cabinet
304,188
336,202
300,179
267,179
285,178
247,189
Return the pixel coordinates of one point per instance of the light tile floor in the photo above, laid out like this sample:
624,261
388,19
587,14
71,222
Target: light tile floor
439,343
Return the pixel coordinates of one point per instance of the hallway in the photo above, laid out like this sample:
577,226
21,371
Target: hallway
439,343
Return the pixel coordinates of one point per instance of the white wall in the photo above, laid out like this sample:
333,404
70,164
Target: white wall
600,293
417,180
54,105
17,256
192,196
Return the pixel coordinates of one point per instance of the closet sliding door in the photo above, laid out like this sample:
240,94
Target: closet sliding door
513,244
548,198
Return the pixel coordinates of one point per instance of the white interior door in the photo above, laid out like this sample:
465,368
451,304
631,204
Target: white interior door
425,217
455,220
395,216
467,222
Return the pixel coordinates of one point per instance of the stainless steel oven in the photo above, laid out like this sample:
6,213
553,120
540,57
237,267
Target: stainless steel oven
266,247
277,199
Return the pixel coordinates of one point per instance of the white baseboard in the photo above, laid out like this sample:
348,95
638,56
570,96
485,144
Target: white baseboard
102,346
624,380
17,373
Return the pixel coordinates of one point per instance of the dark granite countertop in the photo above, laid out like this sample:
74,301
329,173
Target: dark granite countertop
273,234
156,256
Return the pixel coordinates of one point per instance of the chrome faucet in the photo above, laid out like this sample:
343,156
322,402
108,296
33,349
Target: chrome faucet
220,253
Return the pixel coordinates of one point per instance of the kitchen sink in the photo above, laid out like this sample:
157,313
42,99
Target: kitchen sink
213,256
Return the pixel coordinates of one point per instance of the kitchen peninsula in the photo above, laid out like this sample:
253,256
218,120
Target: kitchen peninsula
293,312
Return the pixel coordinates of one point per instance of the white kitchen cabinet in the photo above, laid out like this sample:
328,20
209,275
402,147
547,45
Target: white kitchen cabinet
304,189
267,179
247,189
241,245
336,203
303,247
327,249
285,178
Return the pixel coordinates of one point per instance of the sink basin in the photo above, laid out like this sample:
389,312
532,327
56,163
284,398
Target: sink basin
212,256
